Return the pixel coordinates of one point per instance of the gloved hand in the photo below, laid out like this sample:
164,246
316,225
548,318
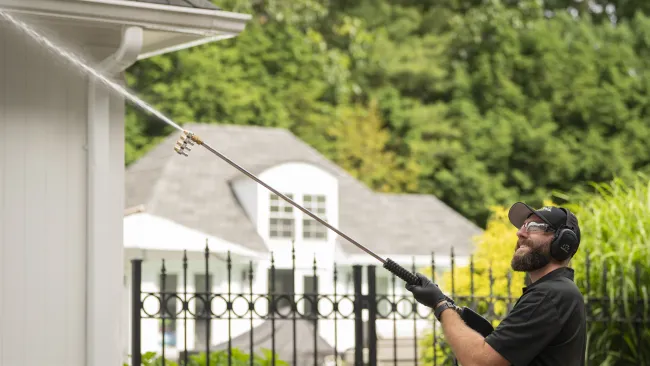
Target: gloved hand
427,293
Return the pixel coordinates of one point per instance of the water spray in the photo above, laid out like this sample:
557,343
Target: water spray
79,62
189,139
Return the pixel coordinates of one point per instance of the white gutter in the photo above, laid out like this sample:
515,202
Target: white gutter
126,12
104,256
185,45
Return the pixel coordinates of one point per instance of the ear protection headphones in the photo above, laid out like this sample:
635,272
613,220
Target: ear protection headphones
565,241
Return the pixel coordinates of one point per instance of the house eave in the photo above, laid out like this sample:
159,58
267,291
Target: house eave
170,27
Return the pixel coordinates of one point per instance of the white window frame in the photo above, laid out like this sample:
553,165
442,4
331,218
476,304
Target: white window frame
286,222
312,229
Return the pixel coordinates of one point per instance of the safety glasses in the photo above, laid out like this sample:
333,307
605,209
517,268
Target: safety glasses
537,227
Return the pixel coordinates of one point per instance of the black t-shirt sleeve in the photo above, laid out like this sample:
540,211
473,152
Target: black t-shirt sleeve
529,327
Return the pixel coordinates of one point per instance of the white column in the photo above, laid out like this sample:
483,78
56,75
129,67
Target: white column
105,254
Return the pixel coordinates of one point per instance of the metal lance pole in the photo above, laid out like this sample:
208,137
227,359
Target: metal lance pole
469,316
188,139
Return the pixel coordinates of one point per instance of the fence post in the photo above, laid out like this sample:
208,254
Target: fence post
372,316
358,316
136,306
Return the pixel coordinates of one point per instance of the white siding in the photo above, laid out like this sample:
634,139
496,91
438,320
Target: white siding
43,209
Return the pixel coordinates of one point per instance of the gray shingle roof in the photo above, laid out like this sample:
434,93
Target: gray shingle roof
195,191
201,4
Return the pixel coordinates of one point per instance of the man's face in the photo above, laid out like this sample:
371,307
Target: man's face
532,251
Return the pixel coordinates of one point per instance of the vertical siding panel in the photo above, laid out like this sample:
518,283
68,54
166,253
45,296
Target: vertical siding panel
54,207
14,239
36,159
76,225
55,210
3,186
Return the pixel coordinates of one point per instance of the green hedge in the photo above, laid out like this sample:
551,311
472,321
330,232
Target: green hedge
217,358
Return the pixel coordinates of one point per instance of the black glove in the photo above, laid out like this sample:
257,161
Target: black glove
427,293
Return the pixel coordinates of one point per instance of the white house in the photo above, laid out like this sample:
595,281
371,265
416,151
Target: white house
62,169
177,203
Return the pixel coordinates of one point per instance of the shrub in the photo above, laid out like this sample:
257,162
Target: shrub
217,358
615,225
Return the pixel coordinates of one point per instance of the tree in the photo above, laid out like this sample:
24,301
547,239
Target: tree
358,142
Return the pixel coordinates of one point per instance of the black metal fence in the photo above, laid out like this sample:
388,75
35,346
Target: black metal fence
301,343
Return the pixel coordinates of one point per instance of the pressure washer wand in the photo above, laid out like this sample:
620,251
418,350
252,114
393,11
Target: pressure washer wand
188,139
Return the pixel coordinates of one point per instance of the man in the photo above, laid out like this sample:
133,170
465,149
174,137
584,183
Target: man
547,324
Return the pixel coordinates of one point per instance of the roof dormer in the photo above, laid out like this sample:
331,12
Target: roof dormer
307,185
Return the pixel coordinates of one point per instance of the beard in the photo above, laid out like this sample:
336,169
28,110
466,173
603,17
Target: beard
536,256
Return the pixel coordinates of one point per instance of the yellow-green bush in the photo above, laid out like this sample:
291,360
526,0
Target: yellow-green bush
217,358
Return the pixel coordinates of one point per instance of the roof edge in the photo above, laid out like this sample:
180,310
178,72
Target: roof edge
203,22
190,3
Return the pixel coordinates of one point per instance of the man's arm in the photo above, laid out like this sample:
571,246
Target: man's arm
529,327
467,344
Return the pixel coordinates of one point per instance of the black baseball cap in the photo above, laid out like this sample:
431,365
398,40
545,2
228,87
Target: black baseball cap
556,217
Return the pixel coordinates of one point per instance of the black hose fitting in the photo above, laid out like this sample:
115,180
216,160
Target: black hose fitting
401,272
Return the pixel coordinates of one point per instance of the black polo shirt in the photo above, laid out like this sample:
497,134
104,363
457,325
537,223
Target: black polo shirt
547,325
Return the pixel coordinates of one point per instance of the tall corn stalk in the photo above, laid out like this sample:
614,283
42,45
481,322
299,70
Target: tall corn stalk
613,269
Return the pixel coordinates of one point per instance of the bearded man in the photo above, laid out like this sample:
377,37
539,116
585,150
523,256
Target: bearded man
547,325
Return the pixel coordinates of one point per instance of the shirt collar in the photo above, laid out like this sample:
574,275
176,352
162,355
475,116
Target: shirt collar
559,272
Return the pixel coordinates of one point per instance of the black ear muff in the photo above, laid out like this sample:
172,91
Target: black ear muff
564,242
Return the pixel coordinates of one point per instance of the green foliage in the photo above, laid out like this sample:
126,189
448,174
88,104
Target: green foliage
479,103
217,358
615,226
275,76
356,140
152,359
